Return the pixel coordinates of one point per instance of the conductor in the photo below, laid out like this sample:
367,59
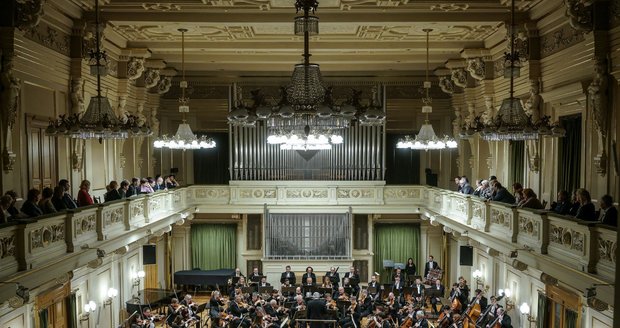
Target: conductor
317,309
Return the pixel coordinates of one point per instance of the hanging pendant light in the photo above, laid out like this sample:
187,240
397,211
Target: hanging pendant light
99,120
184,138
426,138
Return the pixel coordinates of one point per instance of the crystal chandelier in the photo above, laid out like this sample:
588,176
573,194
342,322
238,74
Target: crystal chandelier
426,138
99,120
306,116
184,138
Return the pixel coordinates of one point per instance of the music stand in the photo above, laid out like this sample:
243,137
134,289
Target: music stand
388,265
235,280
372,290
408,291
325,290
202,307
265,290
247,290
308,289
348,290
256,278
433,292
288,291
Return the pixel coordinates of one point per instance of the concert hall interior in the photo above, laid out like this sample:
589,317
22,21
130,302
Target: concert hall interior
443,163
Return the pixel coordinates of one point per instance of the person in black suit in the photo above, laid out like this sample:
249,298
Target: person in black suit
418,292
502,195
288,275
365,303
352,315
309,273
410,269
317,309
491,312
562,204
30,208
238,312
609,214
503,318
586,210
373,283
397,287
430,265
440,290
334,277
354,279
255,276
481,300
263,282
215,304
464,291
67,198
399,274
421,321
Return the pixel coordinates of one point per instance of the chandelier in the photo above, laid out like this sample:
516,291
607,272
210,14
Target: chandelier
511,121
306,117
184,138
99,120
426,138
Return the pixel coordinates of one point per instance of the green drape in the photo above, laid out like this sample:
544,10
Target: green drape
517,162
569,154
570,319
214,246
541,320
396,242
71,311
43,321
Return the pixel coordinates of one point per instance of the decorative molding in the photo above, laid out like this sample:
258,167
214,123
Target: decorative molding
135,68
476,68
44,236
28,14
257,193
114,216
449,7
356,193
7,246
529,227
501,218
559,40
49,37
459,77
85,224
164,85
446,85
580,14
306,193
10,89
566,238
498,67
607,249
161,7
151,77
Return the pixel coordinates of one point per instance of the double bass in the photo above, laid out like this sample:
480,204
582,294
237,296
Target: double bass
495,323
442,321
455,303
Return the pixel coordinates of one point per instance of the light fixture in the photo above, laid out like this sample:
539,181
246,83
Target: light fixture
306,117
99,120
112,293
426,138
136,277
511,121
184,138
89,308
477,274
525,310
506,293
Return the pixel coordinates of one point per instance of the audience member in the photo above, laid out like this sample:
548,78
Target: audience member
478,188
112,193
5,203
561,205
134,188
574,206
84,197
145,187
486,190
45,204
586,210
502,195
517,191
123,189
12,209
457,182
67,198
57,199
466,188
170,182
530,200
159,184
30,208
609,214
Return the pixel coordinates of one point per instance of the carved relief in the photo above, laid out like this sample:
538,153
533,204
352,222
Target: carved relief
489,110
7,246
257,193
447,7
607,250
77,96
9,101
446,84
559,40
566,237
28,14
355,193
151,78
164,84
457,122
500,217
154,121
212,193
408,193
580,14
49,37
476,68
136,210
529,227
114,216
85,224
533,105
459,77
306,193
597,101
533,157
47,235
135,68
161,6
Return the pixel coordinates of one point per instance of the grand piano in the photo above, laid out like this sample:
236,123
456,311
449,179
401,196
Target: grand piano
152,297
199,277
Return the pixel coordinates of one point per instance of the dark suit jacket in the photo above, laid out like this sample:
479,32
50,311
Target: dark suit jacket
586,212
111,195
69,202
415,290
427,268
316,310
561,208
354,279
504,196
305,277
292,279
610,217
236,310
31,209
255,277
132,191
335,278
506,321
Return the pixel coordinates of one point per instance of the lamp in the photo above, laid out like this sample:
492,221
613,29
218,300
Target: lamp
525,311
99,120
426,138
112,293
136,277
479,279
306,117
506,293
184,138
89,308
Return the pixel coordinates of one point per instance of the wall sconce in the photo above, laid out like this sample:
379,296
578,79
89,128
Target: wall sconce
525,311
136,277
506,293
112,293
89,308
479,279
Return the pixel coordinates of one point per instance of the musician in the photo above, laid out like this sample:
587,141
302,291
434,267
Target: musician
373,283
237,273
215,304
491,312
334,276
271,309
480,299
464,290
288,275
430,265
393,306
354,279
145,321
447,319
309,274
327,283
242,282
397,286
341,295
174,312
286,283
255,276
365,303
440,289
192,307
263,282
316,310
399,274
330,303
418,292
238,310
502,318
421,321
309,282
410,269
352,316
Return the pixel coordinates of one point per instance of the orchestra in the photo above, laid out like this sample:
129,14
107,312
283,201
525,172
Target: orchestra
405,303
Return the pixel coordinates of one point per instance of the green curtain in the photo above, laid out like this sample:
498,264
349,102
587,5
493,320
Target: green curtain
214,246
71,311
569,154
43,321
396,242
570,319
517,162
541,320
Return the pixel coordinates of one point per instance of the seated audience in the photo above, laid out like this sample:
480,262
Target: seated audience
530,200
609,214
67,198
46,204
159,184
123,189
12,209
586,210
486,190
502,195
517,191
112,193
84,198
574,204
5,203
171,182
134,188
145,187
466,188
478,188
457,182
30,208
57,199
561,205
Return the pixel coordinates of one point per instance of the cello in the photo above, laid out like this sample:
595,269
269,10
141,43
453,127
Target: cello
455,303
495,323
